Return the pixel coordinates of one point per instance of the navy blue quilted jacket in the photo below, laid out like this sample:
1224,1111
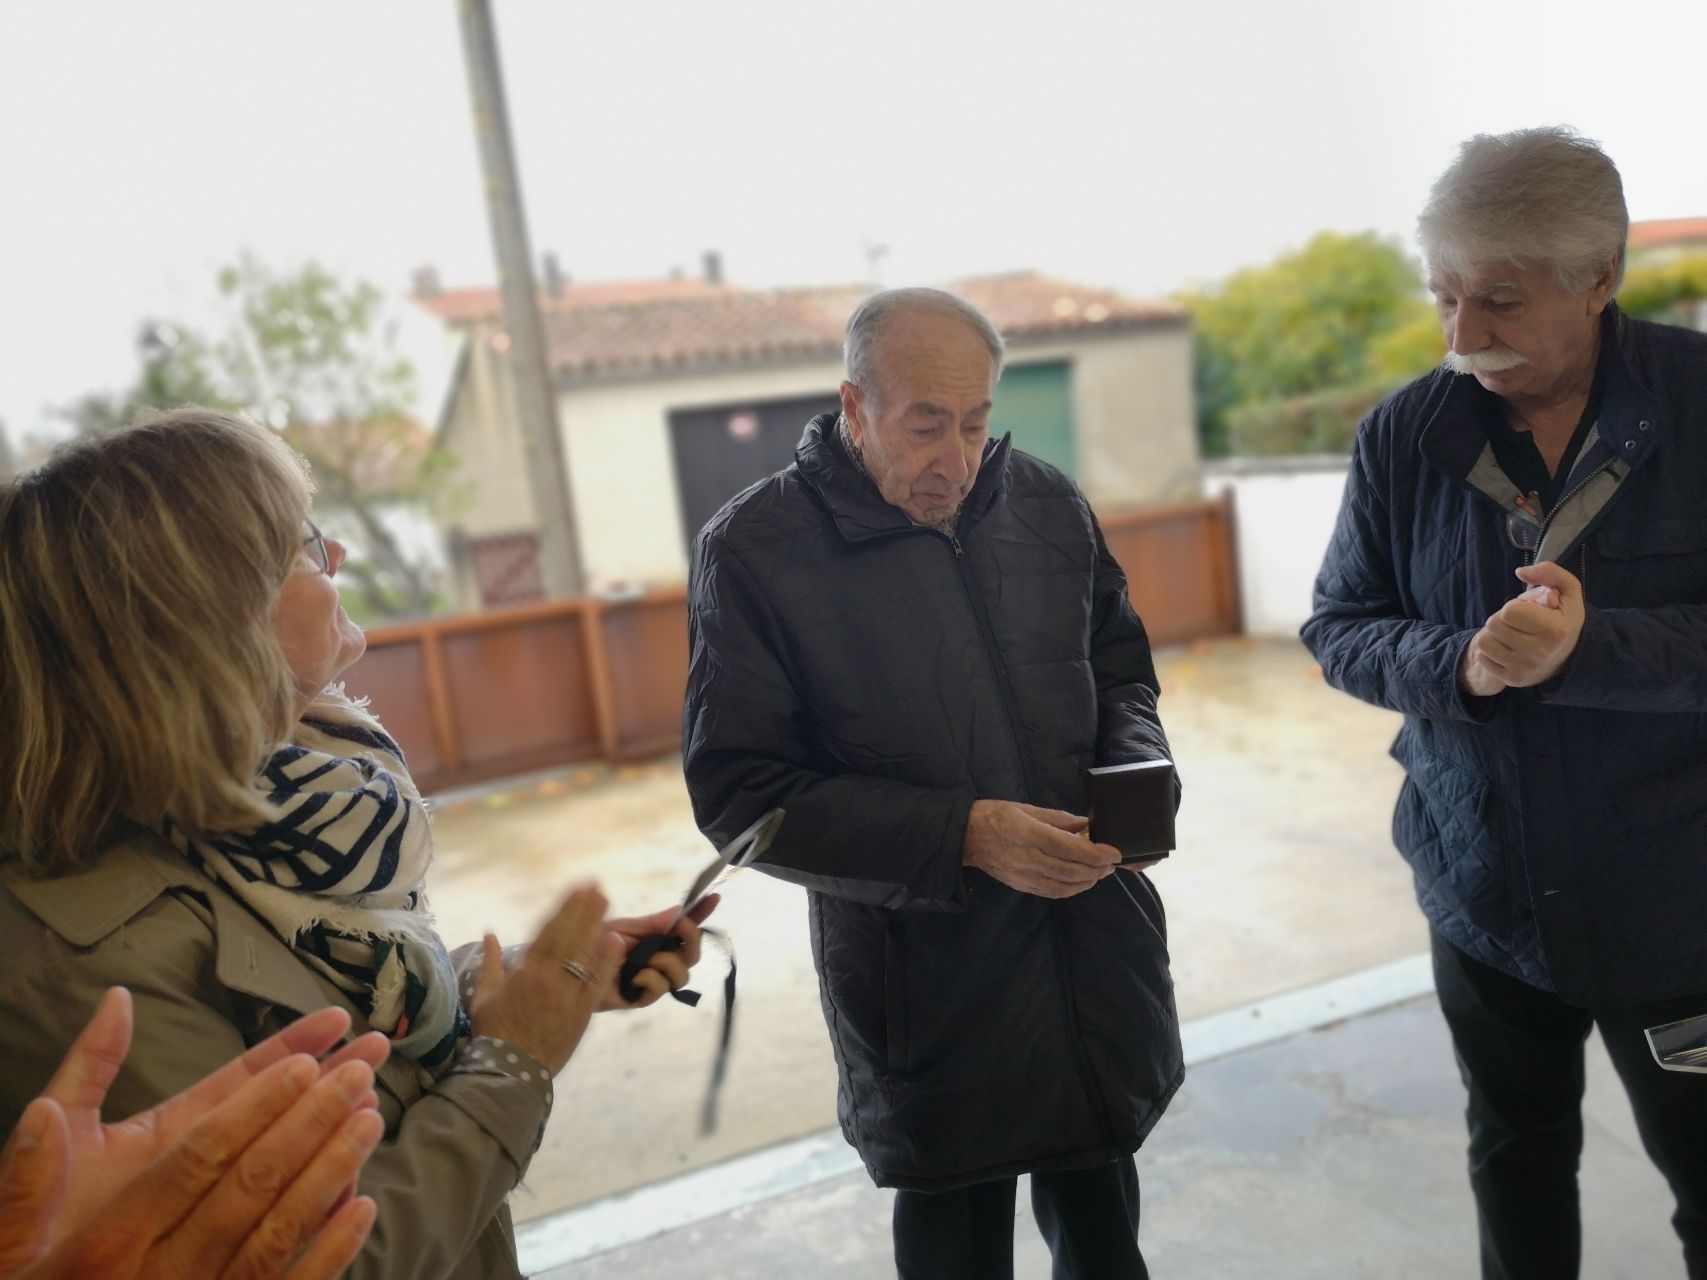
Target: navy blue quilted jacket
1558,834
874,678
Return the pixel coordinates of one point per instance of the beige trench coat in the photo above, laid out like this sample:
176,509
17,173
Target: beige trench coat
209,979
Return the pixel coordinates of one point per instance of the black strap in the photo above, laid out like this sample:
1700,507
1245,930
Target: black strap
641,956
719,1064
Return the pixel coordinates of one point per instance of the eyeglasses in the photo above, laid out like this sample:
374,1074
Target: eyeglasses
314,543
1524,522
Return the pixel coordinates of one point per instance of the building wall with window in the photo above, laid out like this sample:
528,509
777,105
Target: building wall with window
1114,409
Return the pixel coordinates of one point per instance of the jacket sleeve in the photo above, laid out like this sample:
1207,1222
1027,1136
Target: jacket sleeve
1652,659
439,1177
1128,727
1359,630
443,1176
746,749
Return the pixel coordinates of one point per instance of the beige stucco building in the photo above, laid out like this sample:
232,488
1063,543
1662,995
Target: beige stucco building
671,404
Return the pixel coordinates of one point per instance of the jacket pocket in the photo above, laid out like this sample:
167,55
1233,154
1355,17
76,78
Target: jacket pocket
894,995
1148,901
1451,799
1652,562
1664,798
1455,790
1683,535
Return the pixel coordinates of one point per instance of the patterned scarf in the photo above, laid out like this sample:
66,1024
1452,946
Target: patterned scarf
338,874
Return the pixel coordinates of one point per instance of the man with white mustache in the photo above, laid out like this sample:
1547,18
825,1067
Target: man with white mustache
1554,811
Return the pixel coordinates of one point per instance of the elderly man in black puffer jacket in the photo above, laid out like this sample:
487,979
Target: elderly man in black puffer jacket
1520,567
915,640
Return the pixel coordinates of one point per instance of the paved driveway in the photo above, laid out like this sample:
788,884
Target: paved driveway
1285,877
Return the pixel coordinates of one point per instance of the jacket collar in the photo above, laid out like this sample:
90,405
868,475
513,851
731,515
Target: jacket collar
1455,439
1629,425
88,904
858,509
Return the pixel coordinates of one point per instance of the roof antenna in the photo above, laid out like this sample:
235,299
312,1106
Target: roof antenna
874,255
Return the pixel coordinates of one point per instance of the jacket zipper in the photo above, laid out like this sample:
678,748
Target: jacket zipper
1087,1081
996,668
1529,556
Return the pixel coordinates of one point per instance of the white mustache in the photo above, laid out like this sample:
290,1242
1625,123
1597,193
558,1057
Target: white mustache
1484,361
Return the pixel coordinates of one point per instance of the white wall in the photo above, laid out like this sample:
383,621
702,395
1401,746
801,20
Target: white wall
1134,413
1284,511
623,469
490,483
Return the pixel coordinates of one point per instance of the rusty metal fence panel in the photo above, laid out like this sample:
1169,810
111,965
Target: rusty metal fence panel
488,695
1181,574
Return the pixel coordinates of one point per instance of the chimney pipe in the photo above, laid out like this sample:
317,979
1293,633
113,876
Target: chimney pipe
552,276
713,267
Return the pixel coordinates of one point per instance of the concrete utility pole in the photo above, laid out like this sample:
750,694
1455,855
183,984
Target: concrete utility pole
536,398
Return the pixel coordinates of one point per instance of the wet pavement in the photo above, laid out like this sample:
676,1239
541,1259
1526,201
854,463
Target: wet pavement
1285,877
1336,1154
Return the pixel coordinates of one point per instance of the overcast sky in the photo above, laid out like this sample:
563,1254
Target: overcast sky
1141,145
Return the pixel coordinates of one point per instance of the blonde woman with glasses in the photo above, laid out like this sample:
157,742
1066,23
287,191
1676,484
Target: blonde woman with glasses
190,807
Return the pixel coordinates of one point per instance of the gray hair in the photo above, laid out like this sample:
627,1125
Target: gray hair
872,317
1547,197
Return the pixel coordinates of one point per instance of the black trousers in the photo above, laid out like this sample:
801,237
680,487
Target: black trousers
1088,1216
1520,1053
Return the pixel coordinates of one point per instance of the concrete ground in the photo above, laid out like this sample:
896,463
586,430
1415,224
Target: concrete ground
1337,1154
1285,877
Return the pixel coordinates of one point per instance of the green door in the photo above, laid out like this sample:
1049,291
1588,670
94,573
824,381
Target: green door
1032,402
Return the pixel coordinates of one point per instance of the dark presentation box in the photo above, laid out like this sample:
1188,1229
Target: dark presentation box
1132,808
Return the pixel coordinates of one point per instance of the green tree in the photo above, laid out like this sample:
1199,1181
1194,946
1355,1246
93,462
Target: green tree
1666,291
313,357
1344,312
174,369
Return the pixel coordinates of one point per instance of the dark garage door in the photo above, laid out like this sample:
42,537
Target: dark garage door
721,451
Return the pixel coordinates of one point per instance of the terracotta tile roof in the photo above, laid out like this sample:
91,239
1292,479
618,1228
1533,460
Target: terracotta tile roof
749,327
1662,233
743,328
463,306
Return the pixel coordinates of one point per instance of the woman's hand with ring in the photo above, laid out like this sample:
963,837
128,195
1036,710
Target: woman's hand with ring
575,969
538,1006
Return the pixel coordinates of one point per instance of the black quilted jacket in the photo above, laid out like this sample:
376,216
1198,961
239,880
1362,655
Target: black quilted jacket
874,677
1558,834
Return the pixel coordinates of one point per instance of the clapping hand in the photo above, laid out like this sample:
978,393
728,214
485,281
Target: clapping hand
237,1175
543,1002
